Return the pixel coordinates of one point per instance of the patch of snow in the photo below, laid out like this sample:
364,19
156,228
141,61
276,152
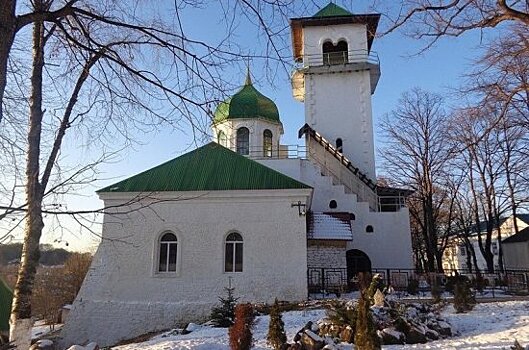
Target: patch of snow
40,329
191,327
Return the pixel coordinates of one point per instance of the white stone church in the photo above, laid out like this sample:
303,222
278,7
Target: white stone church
275,221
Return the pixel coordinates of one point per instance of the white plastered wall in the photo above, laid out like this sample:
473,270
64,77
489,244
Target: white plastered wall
389,246
123,296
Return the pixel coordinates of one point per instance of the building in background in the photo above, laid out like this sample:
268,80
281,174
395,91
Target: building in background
458,257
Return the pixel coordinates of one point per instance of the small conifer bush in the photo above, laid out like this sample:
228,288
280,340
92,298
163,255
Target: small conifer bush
240,333
464,299
276,330
436,293
366,337
413,287
222,316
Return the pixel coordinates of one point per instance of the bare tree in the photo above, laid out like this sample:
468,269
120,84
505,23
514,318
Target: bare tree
476,131
101,71
431,20
415,155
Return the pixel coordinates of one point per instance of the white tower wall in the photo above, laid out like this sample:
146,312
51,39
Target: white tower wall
339,106
338,96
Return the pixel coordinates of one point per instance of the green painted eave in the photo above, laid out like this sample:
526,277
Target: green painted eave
248,102
209,168
332,10
6,298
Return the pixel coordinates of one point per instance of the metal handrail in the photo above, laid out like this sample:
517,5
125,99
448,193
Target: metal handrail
339,58
283,152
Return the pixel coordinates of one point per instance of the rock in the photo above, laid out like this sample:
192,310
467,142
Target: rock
379,299
285,346
330,347
91,346
401,325
191,327
295,346
431,334
298,335
391,336
443,328
76,347
412,313
311,341
43,344
347,335
416,335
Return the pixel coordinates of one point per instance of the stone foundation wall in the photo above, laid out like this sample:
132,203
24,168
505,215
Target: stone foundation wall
326,254
109,322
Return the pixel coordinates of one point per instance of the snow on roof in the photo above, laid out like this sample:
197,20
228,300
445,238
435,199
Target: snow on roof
335,226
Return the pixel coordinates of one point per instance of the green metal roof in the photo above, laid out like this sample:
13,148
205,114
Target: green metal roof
248,102
6,298
209,168
332,10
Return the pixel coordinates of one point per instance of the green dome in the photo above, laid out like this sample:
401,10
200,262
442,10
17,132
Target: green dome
247,103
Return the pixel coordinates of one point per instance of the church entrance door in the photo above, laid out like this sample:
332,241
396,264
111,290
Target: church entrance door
357,261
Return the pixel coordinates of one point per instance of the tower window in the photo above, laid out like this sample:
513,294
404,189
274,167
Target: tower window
339,145
335,54
369,229
222,139
243,141
333,204
267,143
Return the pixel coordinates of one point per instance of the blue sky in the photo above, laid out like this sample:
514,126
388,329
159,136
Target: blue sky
438,69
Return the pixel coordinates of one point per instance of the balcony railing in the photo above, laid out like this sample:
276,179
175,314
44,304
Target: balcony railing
284,152
339,58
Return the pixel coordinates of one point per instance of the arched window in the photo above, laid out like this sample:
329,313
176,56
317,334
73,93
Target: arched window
267,143
339,145
369,229
222,139
233,253
333,204
335,54
243,141
167,253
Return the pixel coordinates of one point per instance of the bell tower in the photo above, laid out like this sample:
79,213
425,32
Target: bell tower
336,75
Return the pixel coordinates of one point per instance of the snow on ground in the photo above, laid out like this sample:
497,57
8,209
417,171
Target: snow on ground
40,329
489,326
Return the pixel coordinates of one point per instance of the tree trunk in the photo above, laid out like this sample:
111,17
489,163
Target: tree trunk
20,321
7,33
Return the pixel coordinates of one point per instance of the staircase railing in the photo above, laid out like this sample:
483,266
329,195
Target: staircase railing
334,164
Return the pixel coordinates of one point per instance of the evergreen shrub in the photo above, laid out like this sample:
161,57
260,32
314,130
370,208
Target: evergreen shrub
276,330
222,316
240,333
